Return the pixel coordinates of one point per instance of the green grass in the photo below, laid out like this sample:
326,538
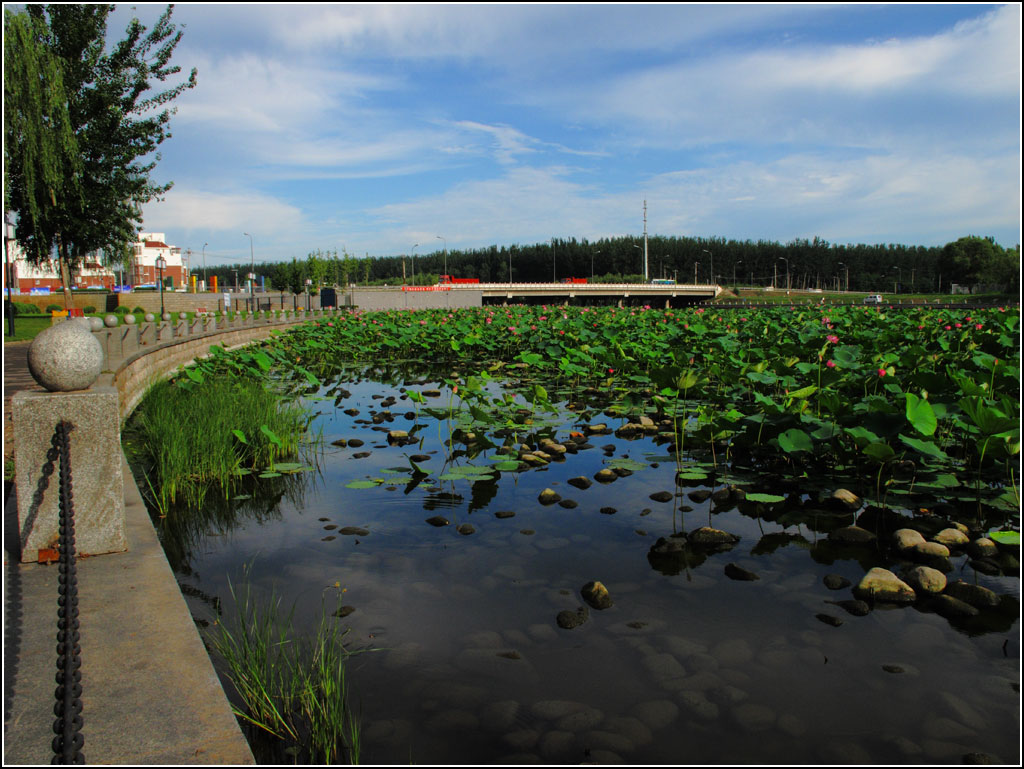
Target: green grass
196,436
26,327
293,689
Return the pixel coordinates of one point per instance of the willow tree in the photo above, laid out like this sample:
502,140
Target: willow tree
41,155
119,121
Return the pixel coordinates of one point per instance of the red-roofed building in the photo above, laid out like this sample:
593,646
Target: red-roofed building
43,278
145,252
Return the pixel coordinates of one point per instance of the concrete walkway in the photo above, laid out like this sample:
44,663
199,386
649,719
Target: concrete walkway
150,693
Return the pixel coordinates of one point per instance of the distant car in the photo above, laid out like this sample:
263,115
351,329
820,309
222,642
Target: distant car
873,299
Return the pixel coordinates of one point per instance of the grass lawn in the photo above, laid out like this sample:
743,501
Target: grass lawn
26,327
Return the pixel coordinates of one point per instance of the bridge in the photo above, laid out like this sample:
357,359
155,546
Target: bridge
477,294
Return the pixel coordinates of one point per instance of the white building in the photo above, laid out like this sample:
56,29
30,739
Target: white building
145,252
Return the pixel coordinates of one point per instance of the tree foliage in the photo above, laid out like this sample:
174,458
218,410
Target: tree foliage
41,156
117,118
811,264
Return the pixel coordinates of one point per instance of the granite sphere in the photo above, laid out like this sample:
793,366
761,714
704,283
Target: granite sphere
150,317
129,320
95,324
111,321
65,357
166,316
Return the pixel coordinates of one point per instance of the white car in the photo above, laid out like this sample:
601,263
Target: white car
873,299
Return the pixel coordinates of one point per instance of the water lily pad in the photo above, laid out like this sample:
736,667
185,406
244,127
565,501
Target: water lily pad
767,499
292,467
1005,537
626,464
363,484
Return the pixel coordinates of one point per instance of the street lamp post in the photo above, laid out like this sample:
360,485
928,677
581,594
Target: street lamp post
843,264
705,251
695,264
554,272
161,264
252,271
895,288
641,251
206,286
787,271
734,272
415,246
10,276
308,284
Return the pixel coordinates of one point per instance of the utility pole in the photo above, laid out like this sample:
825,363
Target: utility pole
645,241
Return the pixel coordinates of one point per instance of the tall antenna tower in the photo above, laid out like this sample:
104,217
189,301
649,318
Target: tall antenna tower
645,241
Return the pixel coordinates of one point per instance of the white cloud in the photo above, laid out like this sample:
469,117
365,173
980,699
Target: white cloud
250,93
977,56
870,94
185,210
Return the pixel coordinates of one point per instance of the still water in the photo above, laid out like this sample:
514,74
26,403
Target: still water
688,665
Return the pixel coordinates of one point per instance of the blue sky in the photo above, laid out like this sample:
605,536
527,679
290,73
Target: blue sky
371,128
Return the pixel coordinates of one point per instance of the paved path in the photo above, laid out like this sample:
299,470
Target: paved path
16,377
150,693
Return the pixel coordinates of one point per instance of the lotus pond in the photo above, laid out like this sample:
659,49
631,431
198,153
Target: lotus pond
726,478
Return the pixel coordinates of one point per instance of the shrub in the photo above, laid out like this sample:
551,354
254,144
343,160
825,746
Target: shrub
138,310
121,310
53,308
25,308
89,310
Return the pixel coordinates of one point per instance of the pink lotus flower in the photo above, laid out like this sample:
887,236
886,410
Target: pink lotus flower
958,325
881,372
949,328
832,338
977,326
831,364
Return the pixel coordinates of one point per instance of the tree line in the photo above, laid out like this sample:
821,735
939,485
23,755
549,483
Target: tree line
798,264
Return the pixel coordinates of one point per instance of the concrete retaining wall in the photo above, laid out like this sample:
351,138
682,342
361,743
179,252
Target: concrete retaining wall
396,299
133,373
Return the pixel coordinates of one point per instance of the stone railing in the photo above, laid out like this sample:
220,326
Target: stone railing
94,381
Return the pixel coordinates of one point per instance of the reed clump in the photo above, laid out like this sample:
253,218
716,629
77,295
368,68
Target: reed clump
292,688
186,441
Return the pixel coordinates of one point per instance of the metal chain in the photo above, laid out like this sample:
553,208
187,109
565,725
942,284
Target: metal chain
67,745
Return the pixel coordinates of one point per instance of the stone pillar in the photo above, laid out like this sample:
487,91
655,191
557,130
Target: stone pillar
66,359
129,341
